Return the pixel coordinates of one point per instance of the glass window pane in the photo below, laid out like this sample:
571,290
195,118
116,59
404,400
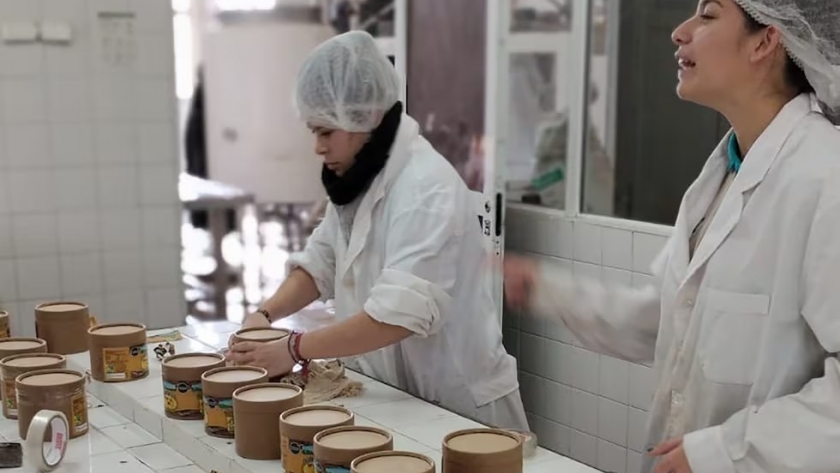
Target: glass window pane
540,15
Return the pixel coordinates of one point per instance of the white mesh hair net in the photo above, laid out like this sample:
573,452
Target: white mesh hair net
346,83
811,34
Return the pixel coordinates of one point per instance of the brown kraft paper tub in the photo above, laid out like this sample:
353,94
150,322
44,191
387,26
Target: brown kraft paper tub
257,409
335,449
56,390
20,346
391,462
16,365
298,428
4,325
259,334
217,386
482,451
118,352
64,326
182,395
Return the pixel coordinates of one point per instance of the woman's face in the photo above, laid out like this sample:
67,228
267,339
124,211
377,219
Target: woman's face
718,56
338,147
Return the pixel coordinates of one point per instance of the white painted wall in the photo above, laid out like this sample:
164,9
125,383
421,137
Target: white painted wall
89,208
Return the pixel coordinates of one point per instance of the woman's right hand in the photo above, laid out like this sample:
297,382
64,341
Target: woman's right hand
520,275
255,320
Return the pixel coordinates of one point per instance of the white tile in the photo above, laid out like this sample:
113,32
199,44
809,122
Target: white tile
645,249
120,229
24,100
154,98
68,10
641,387
184,469
152,17
585,375
165,307
533,355
104,417
8,279
584,448
38,278
585,412
554,361
556,437
432,433
617,249
531,324
81,274
5,197
72,62
533,391
25,60
161,266
641,281
612,421
72,144
564,239
634,462
555,329
7,249
587,243
75,189
26,146
160,456
116,143
123,270
113,98
401,442
118,186
68,99
612,458
161,226
158,184
617,277
209,459
151,60
558,399
614,379
129,435
122,462
100,444
78,231
158,142
568,364
17,10
588,271
375,393
35,235
403,413
32,191
25,322
637,429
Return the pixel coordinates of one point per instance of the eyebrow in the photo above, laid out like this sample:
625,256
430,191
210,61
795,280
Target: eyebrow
703,3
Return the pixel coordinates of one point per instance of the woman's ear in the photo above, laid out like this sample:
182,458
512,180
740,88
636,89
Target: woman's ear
769,43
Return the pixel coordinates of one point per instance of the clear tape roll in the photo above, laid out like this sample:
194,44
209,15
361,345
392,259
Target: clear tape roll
47,455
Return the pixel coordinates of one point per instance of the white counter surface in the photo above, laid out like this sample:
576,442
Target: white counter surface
131,434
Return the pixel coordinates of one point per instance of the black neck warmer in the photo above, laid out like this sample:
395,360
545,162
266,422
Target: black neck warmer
370,161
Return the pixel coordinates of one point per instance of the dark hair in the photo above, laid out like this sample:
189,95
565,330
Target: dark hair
794,75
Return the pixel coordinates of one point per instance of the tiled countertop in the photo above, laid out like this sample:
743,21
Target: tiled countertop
131,434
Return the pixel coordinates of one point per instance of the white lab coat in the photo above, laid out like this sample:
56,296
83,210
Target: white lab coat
744,334
416,259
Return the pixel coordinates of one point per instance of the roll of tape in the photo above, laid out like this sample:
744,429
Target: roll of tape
46,455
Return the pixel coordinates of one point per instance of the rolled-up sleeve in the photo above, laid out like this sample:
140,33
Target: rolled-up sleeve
416,286
318,258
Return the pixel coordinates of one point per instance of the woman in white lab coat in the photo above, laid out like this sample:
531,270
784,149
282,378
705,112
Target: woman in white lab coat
743,321
399,250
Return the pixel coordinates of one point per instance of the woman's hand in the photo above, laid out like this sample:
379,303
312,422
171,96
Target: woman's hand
520,275
255,320
672,457
273,356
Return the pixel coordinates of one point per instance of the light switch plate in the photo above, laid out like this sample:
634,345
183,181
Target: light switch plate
56,32
19,32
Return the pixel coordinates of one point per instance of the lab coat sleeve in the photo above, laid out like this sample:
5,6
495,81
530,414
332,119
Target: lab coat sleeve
318,258
800,432
420,268
614,320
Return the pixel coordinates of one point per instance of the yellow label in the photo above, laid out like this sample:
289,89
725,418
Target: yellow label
218,416
127,363
326,468
183,399
78,409
10,397
298,457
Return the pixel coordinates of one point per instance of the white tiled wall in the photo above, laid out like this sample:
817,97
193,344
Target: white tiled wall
89,208
588,406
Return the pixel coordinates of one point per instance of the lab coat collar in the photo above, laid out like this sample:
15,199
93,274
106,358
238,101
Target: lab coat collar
400,154
757,163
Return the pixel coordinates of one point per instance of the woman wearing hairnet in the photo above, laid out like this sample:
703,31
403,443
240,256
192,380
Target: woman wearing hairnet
400,250
743,322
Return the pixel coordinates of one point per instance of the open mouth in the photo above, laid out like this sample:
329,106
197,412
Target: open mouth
685,64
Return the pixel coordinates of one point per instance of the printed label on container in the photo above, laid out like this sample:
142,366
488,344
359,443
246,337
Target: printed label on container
325,468
298,457
78,409
10,397
127,363
183,399
218,416
5,333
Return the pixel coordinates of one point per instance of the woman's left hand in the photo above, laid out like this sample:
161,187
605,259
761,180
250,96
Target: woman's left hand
672,457
273,356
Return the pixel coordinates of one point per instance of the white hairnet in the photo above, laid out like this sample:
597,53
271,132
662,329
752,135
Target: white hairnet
811,34
347,83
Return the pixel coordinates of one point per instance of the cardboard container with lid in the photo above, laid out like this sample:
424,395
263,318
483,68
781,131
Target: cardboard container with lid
21,345
5,332
182,395
391,462
335,449
482,451
259,334
118,352
218,386
55,390
257,408
298,428
16,365
64,326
